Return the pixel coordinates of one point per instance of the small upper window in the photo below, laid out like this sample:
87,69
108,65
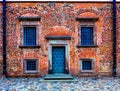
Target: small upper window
87,38
30,36
29,31
87,35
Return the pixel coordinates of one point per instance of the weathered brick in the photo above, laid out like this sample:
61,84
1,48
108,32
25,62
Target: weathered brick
59,19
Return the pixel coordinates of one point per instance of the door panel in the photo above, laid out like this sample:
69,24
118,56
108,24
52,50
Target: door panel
58,59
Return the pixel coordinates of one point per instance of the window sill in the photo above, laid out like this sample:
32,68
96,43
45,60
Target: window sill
58,37
92,46
29,46
31,72
87,71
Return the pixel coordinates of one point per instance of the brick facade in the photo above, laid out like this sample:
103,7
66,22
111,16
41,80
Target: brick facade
59,19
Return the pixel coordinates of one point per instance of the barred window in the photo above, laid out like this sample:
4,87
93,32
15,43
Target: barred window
30,36
87,65
87,38
30,65
29,32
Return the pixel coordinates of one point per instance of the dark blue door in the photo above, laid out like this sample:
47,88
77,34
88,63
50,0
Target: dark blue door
58,59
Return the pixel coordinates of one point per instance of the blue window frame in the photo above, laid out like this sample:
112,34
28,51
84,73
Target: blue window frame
87,65
31,65
29,36
87,38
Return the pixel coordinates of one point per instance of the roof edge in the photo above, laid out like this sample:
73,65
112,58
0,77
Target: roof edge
60,1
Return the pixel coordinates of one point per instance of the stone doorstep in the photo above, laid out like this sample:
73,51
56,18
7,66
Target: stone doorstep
59,77
73,80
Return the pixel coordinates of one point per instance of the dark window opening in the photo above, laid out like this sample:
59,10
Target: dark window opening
29,36
86,65
31,65
87,38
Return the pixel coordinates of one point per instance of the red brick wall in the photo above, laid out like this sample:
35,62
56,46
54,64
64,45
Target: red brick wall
118,39
62,15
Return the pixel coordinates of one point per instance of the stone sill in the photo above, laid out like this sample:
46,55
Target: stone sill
87,71
31,72
29,46
58,37
92,46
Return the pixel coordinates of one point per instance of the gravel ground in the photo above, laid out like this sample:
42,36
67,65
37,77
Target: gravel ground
83,84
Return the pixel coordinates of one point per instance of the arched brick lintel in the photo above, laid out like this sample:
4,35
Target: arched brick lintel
58,31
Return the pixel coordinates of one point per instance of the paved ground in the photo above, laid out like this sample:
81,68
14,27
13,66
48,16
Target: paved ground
84,84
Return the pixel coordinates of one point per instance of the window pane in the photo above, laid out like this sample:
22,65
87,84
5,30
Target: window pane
29,35
31,65
87,36
86,65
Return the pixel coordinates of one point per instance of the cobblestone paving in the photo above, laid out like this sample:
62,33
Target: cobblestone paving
84,84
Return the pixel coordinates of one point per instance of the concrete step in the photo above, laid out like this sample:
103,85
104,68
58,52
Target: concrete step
58,77
62,80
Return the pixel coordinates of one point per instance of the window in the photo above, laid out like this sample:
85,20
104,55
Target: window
29,32
31,65
87,36
29,36
87,65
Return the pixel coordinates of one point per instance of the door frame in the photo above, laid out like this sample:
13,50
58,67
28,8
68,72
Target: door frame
58,43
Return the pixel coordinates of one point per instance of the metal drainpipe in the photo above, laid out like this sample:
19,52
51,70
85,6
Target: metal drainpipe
114,39
4,37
